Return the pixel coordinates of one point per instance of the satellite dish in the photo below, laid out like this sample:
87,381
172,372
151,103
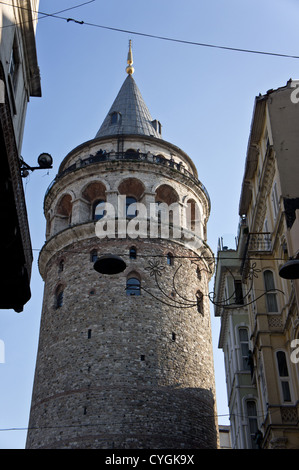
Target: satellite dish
290,270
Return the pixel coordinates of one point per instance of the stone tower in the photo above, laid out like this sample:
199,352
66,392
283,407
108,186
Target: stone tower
125,353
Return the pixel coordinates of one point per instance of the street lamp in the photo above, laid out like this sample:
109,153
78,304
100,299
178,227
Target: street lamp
290,270
109,264
44,161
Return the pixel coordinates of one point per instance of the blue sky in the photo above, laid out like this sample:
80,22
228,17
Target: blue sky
203,97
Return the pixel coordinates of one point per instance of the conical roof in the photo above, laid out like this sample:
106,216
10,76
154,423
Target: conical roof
129,114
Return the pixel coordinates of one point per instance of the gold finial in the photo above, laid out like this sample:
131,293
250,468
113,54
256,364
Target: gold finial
130,69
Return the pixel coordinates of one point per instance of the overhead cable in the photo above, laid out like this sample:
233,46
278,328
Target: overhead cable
164,38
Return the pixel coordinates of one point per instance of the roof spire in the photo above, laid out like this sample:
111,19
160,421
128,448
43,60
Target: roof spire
130,69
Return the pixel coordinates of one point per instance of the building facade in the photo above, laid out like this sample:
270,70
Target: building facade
268,241
125,354
19,80
230,305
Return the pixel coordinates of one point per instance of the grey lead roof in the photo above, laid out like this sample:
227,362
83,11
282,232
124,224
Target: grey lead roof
133,116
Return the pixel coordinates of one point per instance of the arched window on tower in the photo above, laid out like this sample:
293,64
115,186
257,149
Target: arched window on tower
131,211
133,286
133,252
133,189
63,213
95,196
167,206
93,256
98,209
169,259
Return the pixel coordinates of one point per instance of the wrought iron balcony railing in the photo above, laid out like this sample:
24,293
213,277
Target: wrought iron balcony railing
103,156
256,243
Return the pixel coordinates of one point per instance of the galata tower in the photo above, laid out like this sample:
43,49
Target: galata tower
125,355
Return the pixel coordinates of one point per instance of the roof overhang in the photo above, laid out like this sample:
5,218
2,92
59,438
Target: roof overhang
30,54
257,126
15,236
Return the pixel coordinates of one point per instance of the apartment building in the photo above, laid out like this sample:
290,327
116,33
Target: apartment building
19,80
267,241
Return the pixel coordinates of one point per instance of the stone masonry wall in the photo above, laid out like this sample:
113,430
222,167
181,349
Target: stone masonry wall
119,371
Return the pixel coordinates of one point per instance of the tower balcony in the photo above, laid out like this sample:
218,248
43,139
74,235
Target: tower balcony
132,156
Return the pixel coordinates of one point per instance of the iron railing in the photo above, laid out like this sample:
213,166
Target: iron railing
103,156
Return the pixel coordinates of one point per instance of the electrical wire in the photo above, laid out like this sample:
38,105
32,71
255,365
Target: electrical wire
164,38
182,41
79,425
45,14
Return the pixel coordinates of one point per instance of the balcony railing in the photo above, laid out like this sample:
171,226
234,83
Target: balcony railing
256,243
103,156
259,242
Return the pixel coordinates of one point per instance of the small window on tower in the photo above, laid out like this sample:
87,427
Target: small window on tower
133,286
61,266
115,118
133,252
93,256
98,209
59,297
170,259
199,302
131,207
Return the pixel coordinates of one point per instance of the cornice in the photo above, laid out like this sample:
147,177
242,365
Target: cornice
85,231
265,185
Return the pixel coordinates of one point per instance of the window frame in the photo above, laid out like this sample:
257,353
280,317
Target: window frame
95,204
284,379
94,255
271,297
169,259
244,365
135,288
251,418
133,252
115,118
131,200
